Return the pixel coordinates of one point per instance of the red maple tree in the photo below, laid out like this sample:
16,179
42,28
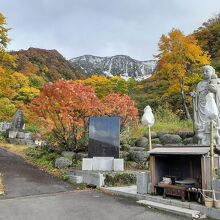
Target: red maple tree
64,108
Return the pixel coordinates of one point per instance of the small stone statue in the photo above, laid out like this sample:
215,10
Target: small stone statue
207,91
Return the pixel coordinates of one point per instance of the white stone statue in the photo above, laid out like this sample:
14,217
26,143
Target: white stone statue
206,106
148,117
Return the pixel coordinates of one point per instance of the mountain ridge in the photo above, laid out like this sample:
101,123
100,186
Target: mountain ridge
118,65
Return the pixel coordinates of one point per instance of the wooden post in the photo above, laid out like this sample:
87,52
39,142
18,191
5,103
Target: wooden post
149,138
212,171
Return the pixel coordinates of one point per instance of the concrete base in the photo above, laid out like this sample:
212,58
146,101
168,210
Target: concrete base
87,164
103,164
118,165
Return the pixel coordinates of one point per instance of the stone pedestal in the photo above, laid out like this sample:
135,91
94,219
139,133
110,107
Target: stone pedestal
87,164
143,179
118,165
102,164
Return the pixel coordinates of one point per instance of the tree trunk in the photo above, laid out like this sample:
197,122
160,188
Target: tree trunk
184,100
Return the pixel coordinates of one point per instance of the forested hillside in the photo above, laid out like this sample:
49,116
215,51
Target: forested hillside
49,64
25,72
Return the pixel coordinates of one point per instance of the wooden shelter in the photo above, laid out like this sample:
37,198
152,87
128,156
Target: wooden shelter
182,163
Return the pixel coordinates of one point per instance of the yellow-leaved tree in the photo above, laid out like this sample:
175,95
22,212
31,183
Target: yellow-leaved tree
179,61
105,86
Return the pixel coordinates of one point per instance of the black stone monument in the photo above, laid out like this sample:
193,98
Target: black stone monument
104,137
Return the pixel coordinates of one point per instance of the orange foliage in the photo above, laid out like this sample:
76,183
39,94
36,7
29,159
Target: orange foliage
122,106
64,108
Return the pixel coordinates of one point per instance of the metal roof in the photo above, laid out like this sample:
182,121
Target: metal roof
180,150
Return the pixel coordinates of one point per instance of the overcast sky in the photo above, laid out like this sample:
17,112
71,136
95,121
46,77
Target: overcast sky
101,27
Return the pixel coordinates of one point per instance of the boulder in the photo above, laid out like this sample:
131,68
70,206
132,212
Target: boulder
155,141
124,155
62,162
137,149
187,141
185,134
160,134
170,139
139,156
28,136
80,156
141,142
68,154
21,135
156,145
153,134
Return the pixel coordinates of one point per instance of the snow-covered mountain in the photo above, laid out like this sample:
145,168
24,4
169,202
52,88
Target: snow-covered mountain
119,65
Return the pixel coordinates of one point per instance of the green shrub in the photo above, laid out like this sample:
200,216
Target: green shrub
42,157
120,179
32,128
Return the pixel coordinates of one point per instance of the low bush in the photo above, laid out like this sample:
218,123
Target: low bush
120,179
42,157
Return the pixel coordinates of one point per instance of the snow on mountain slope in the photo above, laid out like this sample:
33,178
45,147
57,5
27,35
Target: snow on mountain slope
119,65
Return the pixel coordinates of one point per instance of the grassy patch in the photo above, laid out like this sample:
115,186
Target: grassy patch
16,149
120,179
167,121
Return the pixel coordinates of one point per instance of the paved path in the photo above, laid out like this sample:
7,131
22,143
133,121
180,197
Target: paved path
22,179
78,206
32,194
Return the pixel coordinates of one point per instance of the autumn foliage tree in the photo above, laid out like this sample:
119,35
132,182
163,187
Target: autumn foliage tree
178,61
64,109
105,86
122,106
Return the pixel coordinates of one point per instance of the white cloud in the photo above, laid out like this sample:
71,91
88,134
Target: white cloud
102,27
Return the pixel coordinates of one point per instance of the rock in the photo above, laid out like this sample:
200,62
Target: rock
195,139
186,134
28,136
21,135
160,134
156,145
68,154
124,155
80,156
188,141
139,156
153,135
141,142
62,162
172,145
170,139
137,149
155,141
12,133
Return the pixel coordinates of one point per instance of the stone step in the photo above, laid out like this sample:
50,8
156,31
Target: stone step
169,208
167,201
75,179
